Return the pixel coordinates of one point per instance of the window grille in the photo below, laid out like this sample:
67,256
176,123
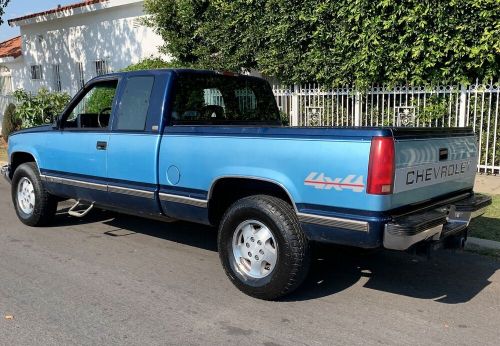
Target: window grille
36,72
80,79
56,77
101,67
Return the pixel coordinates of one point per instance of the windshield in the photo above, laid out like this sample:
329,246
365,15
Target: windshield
218,99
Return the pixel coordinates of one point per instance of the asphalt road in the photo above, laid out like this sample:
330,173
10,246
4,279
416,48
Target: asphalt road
113,279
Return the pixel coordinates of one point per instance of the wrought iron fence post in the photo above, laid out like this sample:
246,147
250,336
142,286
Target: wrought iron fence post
463,106
295,105
357,108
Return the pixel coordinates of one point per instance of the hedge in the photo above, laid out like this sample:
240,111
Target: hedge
335,42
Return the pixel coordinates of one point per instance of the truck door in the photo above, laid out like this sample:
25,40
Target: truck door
134,142
76,153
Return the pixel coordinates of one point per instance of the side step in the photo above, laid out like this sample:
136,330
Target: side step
80,213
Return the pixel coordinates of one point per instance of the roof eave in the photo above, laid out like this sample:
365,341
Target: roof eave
10,59
44,17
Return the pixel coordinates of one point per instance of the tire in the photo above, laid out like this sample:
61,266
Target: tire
273,221
34,205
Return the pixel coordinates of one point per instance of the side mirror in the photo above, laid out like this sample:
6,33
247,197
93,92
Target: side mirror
56,125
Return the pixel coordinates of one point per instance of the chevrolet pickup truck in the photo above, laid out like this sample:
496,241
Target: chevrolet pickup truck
209,148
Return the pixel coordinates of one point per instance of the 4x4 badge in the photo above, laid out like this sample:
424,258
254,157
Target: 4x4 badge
322,182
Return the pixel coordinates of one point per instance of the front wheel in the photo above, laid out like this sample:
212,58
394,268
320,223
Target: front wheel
262,247
34,205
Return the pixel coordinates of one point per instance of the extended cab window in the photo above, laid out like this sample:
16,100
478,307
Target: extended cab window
220,99
134,103
93,110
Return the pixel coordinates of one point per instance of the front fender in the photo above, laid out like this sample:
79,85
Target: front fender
22,144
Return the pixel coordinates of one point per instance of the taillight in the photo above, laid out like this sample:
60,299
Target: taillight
381,166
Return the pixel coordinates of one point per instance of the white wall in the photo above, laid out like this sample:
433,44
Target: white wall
111,34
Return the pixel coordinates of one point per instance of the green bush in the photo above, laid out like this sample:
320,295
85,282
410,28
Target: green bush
100,98
10,122
38,109
335,42
151,64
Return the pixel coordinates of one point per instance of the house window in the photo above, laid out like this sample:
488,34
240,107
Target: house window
101,67
5,85
56,78
80,80
36,72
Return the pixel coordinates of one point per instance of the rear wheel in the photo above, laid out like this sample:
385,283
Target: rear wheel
34,205
262,247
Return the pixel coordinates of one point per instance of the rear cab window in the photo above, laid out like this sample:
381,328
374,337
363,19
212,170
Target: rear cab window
210,99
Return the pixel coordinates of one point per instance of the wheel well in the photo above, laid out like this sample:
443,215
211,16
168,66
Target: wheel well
226,191
18,159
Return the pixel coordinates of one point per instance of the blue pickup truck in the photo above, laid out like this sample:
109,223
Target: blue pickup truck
209,147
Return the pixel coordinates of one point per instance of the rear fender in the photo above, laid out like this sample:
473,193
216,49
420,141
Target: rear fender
267,175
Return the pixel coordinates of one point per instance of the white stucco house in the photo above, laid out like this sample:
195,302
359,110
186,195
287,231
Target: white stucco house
64,47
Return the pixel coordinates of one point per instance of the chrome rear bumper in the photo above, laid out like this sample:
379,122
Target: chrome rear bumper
433,225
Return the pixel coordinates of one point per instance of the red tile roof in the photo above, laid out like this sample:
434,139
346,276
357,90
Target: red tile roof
55,10
11,47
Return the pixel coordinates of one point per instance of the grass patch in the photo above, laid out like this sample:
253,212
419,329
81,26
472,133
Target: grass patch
487,226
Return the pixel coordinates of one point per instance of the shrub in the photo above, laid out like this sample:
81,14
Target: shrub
10,122
335,42
41,108
100,99
153,63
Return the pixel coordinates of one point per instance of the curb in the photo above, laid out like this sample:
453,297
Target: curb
483,243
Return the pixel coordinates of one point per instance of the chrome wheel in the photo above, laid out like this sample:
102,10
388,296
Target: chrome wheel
254,248
26,196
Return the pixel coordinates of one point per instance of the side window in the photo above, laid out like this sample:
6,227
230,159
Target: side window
134,105
93,111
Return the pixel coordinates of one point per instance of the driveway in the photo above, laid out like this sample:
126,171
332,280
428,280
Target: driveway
114,279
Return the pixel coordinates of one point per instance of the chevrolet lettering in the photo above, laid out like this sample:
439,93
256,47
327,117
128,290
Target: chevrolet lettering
209,147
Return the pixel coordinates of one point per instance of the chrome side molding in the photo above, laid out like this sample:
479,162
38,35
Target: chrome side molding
131,192
73,182
361,226
201,203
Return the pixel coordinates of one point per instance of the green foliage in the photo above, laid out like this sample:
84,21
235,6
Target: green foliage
435,108
99,99
488,225
10,122
3,4
38,109
335,42
151,64
285,119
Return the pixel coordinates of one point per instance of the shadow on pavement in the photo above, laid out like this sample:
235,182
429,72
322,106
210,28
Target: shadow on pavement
448,277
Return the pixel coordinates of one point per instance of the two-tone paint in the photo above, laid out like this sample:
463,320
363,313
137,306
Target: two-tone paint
170,171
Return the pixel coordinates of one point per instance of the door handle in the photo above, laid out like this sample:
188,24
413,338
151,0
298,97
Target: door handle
101,145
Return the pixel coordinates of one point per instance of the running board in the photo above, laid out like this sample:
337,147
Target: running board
79,213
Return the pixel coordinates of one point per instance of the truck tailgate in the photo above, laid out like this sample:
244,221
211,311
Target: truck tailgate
433,162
